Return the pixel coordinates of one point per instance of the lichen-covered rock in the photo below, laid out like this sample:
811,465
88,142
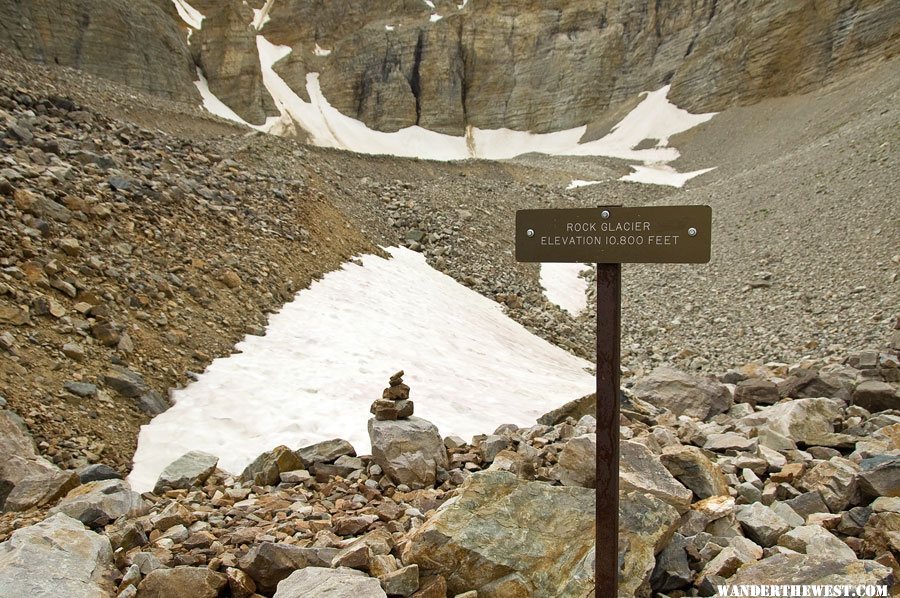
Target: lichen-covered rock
683,394
408,450
500,525
197,582
266,468
319,582
190,469
694,469
56,557
101,502
820,568
640,470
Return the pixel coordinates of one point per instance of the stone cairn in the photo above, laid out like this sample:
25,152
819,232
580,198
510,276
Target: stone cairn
394,402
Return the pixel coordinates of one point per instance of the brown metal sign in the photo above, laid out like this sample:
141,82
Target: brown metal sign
615,235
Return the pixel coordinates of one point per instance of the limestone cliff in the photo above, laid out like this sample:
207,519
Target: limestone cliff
131,41
522,64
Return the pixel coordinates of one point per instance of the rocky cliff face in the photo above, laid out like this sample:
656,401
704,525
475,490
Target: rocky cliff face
225,49
539,66
131,41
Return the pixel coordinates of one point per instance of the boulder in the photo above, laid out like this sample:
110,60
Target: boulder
196,582
578,462
325,452
690,466
499,525
802,420
269,563
40,489
835,480
20,458
646,525
56,557
640,470
97,472
100,503
880,476
875,395
190,469
761,524
267,468
815,539
820,568
756,391
408,450
683,394
319,582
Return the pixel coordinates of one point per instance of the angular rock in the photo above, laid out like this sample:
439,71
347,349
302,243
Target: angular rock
409,451
41,489
269,563
56,557
577,465
240,584
499,524
690,466
325,452
672,570
190,469
646,525
97,472
815,539
813,569
197,582
402,582
803,420
319,582
641,471
880,476
683,394
835,480
102,502
266,468
874,396
756,391
761,523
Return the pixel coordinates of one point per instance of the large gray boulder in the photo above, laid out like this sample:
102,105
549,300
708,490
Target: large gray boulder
20,458
577,464
268,563
408,450
99,503
319,582
640,470
683,394
56,557
500,524
820,568
802,420
188,470
196,582
267,468
694,469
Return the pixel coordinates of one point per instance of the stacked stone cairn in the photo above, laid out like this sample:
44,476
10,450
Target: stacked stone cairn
394,402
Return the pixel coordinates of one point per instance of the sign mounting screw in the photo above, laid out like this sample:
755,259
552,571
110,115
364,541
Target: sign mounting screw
604,214
692,232
530,232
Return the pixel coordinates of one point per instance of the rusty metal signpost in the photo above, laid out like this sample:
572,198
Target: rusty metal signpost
611,236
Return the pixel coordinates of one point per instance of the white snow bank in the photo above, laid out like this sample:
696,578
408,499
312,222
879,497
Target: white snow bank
563,286
435,18
576,183
653,118
327,355
214,105
189,14
661,174
261,15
